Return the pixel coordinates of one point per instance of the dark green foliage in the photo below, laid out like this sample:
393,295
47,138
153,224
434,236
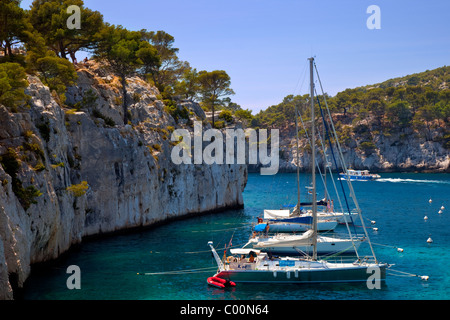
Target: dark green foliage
27,196
49,18
244,115
367,146
14,26
281,114
213,86
166,69
125,52
57,73
108,121
447,141
399,113
48,41
12,85
34,147
188,87
416,101
88,101
11,165
226,115
176,112
219,124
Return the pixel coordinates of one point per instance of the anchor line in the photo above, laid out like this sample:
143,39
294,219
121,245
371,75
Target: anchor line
405,274
174,272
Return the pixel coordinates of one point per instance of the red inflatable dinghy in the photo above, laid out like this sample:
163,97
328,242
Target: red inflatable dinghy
220,283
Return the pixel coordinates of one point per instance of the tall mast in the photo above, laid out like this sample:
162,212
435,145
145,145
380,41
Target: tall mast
325,164
313,160
298,168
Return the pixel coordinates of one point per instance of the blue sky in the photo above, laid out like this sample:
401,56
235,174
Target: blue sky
264,45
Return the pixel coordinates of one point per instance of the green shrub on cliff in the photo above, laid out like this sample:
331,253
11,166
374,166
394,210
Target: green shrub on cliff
226,115
77,190
11,164
12,85
367,147
57,73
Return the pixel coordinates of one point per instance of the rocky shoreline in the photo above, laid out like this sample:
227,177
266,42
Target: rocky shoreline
398,151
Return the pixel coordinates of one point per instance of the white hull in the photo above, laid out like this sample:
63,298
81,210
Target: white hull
323,225
264,269
358,175
285,244
308,272
338,216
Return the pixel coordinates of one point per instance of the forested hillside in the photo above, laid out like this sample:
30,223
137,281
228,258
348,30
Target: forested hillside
419,103
38,41
400,124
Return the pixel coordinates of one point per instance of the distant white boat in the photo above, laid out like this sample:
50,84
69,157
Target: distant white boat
358,175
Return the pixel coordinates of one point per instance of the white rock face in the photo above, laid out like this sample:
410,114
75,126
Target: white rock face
398,152
132,180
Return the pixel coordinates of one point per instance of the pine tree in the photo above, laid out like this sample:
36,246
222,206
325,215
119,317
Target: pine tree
213,86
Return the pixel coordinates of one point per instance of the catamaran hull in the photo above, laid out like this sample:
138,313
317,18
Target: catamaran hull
346,275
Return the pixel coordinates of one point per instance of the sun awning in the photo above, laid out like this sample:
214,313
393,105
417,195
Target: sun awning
274,214
244,251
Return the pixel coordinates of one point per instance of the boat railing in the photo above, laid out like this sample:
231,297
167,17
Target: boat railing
350,259
355,237
366,259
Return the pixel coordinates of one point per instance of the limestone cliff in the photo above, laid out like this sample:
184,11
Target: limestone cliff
131,179
366,146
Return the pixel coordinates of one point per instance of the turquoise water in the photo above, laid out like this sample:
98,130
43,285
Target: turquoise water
398,204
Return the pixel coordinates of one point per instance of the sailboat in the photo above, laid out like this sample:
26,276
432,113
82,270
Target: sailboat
254,266
287,221
327,215
294,244
282,221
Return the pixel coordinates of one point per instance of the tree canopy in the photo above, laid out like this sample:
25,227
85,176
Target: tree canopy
124,52
213,86
169,68
47,41
12,84
49,18
14,26
419,102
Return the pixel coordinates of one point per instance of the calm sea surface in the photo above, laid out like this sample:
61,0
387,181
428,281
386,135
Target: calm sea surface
397,202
